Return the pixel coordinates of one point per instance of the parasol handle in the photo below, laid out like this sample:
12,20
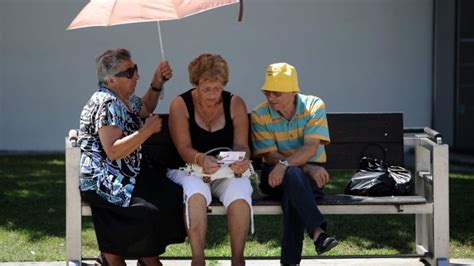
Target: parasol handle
161,42
241,10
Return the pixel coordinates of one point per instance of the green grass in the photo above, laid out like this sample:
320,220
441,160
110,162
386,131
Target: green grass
32,220
32,204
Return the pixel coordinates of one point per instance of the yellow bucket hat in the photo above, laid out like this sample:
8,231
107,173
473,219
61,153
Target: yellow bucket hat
281,77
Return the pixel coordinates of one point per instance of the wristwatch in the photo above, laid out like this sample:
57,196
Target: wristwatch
284,163
155,88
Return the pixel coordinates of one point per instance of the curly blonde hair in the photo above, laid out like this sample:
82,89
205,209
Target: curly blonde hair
208,67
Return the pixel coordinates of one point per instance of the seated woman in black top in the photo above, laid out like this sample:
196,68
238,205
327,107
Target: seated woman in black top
201,119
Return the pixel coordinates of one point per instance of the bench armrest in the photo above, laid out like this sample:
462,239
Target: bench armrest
432,182
431,165
73,198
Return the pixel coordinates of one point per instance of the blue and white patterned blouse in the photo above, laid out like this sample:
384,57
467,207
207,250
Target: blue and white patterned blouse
114,180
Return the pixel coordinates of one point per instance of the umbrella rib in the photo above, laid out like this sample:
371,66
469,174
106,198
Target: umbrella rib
175,8
111,12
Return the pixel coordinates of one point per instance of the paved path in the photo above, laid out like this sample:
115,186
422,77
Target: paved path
325,262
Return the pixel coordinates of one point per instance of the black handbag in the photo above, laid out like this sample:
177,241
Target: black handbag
377,178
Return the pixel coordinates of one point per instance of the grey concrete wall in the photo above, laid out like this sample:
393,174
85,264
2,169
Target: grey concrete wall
358,55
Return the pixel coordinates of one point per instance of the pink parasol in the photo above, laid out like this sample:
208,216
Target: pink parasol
116,12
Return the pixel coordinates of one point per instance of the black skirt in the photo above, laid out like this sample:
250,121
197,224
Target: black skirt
153,220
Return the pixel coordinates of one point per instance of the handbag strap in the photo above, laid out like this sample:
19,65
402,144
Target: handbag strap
381,148
218,149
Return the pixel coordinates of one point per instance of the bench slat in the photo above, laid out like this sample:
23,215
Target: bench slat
354,135
347,155
365,127
343,199
265,204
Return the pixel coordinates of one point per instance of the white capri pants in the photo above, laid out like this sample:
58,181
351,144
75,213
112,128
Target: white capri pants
226,189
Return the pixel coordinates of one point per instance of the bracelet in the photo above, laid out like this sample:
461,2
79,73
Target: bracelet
155,88
196,156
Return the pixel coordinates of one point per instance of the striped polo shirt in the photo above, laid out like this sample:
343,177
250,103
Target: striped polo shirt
272,132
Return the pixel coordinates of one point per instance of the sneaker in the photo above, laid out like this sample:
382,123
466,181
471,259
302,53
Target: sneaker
324,243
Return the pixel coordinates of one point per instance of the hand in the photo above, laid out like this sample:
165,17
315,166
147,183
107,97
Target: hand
209,165
154,122
317,173
162,74
239,167
275,178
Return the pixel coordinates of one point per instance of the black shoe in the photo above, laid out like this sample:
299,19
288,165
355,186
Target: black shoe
324,243
291,264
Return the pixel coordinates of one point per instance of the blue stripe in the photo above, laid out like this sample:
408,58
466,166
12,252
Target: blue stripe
263,143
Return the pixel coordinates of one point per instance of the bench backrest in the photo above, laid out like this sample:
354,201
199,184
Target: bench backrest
353,135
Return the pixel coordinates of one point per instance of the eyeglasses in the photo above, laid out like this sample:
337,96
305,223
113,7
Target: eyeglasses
214,90
272,93
128,73
211,86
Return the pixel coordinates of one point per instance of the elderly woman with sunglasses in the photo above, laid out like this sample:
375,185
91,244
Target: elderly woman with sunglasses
136,212
203,118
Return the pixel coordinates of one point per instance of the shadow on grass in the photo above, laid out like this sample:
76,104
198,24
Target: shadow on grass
32,197
32,200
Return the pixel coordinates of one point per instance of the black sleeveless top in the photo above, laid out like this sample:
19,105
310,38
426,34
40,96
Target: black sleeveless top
203,140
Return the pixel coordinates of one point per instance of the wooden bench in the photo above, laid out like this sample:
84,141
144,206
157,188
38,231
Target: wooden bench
352,135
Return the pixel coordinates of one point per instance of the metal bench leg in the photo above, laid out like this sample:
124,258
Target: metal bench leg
423,221
441,203
432,230
73,207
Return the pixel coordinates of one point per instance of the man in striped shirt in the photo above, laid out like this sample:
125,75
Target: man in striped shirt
289,130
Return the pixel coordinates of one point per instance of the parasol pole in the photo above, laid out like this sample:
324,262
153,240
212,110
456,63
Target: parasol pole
161,42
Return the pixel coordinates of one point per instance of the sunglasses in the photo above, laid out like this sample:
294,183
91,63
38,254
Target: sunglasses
272,93
128,73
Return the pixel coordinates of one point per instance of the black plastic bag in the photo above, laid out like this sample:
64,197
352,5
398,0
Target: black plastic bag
376,178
